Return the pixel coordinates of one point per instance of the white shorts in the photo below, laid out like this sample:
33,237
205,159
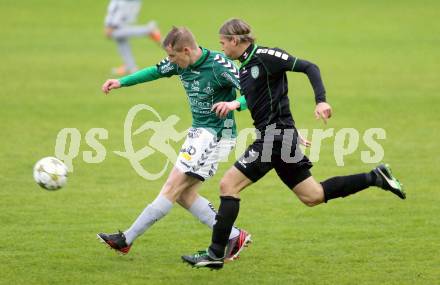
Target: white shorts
122,12
201,152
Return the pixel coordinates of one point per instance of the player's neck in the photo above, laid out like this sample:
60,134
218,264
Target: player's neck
195,56
244,51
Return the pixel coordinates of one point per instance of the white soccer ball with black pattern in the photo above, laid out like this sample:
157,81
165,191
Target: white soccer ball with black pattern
50,173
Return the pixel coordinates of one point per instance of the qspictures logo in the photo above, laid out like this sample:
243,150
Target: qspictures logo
347,141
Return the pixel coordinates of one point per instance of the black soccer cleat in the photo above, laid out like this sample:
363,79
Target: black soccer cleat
115,241
203,259
389,182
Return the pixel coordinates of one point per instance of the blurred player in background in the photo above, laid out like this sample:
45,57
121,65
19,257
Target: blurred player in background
207,77
121,14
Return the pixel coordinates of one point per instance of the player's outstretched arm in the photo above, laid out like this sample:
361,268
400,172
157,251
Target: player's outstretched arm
145,75
110,84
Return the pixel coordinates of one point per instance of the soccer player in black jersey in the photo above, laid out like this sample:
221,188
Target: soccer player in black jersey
264,85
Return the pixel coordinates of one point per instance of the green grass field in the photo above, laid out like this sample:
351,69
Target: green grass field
380,62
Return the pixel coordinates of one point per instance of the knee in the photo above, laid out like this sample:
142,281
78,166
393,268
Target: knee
186,198
181,199
170,191
226,189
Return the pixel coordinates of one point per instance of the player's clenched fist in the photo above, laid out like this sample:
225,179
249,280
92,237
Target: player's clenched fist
110,84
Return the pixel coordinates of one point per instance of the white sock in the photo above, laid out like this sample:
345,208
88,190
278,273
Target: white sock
151,214
203,210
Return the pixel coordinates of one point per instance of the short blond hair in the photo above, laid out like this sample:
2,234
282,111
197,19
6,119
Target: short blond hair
178,38
237,28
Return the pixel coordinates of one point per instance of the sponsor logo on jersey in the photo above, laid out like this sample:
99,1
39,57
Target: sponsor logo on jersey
201,107
166,68
208,90
195,86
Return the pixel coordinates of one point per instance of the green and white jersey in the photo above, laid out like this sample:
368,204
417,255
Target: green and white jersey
213,78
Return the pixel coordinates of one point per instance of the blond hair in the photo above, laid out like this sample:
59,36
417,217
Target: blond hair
237,28
178,38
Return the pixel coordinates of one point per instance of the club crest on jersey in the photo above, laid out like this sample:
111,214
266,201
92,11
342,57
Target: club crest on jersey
255,71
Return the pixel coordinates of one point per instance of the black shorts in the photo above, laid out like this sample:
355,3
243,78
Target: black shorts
290,164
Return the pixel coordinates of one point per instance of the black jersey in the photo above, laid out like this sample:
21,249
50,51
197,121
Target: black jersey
263,82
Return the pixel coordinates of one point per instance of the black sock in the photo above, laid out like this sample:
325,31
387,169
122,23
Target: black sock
342,186
376,179
225,219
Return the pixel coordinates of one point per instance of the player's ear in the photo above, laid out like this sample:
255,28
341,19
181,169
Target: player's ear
187,50
235,40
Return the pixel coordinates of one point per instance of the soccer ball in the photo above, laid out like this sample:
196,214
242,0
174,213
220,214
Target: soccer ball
50,173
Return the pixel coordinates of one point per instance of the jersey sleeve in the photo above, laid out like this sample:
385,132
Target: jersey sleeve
163,69
314,75
226,72
243,103
141,76
276,60
167,69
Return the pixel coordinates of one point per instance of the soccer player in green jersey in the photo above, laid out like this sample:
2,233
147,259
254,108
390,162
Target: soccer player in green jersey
208,77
